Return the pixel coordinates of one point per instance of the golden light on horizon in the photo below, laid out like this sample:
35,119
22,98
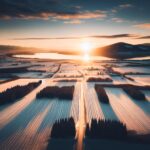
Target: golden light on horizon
86,57
86,47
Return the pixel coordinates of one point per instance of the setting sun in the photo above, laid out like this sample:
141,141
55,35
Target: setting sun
86,47
74,74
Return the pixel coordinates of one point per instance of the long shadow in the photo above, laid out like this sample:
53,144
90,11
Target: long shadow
53,113
50,118
21,121
144,105
2,107
61,144
111,144
108,112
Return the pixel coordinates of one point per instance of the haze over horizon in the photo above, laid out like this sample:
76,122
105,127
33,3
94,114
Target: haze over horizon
67,24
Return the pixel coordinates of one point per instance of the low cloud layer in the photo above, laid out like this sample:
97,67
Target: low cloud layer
46,9
115,36
143,26
72,11
144,37
125,6
91,36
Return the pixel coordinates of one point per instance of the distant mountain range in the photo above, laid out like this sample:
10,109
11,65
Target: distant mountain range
123,50
118,50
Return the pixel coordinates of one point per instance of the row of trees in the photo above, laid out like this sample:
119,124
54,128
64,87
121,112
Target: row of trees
129,78
14,70
66,80
109,129
64,128
69,76
17,92
101,93
8,80
106,129
92,79
137,87
134,92
65,92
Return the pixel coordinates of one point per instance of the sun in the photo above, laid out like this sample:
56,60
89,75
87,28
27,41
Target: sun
86,47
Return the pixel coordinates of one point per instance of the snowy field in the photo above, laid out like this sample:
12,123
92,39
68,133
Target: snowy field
132,69
27,123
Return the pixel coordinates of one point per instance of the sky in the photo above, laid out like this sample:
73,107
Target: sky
66,24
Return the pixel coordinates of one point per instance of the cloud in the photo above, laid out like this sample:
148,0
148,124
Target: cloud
61,16
118,20
90,36
77,7
73,22
81,15
125,6
144,37
115,36
143,26
46,38
114,10
47,9
22,9
121,7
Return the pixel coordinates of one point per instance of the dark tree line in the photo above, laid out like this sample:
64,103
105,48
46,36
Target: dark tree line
64,128
129,78
101,93
17,92
69,76
65,92
7,75
134,92
8,80
14,70
92,79
106,129
66,80
125,85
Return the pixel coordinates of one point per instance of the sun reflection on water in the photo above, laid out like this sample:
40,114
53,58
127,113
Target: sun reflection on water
86,48
86,57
